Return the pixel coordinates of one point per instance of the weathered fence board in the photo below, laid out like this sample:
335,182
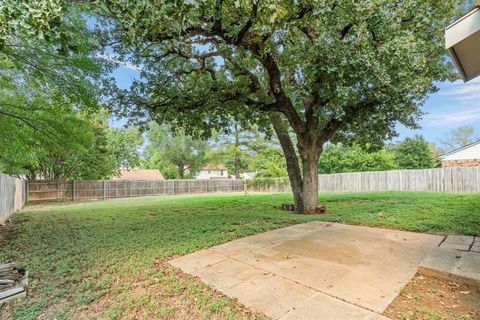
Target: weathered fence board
107,189
12,196
439,180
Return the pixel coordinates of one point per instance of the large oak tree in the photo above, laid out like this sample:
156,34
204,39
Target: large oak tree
315,71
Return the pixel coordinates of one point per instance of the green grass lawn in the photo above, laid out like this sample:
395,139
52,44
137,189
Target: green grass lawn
107,259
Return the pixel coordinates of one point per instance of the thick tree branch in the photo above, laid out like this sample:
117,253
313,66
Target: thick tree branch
239,38
335,123
345,30
275,83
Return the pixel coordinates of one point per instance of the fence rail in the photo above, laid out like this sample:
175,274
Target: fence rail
12,196
107,189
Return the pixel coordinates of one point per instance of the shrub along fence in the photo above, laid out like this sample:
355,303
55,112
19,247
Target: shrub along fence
12,196
107,189
268,185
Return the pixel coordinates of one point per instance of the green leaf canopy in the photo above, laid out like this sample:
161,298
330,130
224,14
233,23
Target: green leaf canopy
354,67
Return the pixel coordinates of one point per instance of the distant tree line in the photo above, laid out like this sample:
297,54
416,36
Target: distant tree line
411,153
252,151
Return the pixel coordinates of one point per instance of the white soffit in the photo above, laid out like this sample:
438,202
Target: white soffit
462,40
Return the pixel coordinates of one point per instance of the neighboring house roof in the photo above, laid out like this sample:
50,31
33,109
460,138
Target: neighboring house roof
139,174
469,151
217,167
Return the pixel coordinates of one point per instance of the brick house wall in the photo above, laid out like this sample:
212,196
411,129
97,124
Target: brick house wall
461,163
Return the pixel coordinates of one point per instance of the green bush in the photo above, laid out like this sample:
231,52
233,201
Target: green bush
265,183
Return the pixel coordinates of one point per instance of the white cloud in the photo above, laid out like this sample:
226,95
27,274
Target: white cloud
469,115
461,91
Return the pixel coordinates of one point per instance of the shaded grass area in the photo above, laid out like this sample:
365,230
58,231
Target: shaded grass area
106,259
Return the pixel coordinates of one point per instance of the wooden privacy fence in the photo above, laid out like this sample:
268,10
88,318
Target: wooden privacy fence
107,189
440,180
12,196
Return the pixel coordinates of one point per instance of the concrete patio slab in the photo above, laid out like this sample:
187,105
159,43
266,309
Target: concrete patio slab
321,306
271,294
459,239
326,270
457,242
198,260
449,263
476,247
228,273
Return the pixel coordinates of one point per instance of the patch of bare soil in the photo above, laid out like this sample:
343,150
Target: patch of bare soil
428,298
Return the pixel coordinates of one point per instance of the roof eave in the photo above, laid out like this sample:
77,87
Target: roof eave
443,156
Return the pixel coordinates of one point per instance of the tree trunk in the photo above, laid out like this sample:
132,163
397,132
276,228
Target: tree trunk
293,168
304,186
310,179
181,171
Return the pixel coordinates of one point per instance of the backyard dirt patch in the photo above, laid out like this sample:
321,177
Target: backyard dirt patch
429,298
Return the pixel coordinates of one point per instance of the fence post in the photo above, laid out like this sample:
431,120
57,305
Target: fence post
26,190
73,190
104,193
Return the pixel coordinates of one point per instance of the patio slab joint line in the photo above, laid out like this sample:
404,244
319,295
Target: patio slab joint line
471,245
306,286
208,265
443,240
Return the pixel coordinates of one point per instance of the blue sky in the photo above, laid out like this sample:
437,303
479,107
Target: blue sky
455,104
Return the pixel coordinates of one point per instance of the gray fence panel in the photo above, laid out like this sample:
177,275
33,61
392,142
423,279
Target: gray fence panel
438,180
12,196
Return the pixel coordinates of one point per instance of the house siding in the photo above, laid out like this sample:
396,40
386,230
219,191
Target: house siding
470,153
208,174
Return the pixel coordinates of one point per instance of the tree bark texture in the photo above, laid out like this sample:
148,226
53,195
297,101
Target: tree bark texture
304,179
